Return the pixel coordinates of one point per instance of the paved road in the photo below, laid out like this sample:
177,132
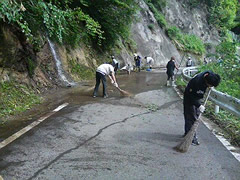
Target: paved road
117,138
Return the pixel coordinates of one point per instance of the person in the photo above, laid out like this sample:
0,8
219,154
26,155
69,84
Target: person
135,60
189,62
193,94
115,64
101,72
149,61
138,63
170,70
127,68
220,61
205,61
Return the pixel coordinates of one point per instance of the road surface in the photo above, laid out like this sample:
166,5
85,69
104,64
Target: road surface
117,138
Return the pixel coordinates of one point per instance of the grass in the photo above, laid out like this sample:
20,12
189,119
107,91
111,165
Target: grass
81,71
15,98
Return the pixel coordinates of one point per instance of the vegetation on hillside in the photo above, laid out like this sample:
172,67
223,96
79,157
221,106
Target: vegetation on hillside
228,67
16,98
70,21
184,42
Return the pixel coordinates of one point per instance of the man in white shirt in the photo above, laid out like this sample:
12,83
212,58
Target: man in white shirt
150,61
127,68
101,72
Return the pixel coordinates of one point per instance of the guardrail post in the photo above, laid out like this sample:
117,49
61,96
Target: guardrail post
216,109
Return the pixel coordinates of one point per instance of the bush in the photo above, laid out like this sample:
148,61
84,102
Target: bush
174,33
230,76
158,15
82,71
185,42
16,98
151,27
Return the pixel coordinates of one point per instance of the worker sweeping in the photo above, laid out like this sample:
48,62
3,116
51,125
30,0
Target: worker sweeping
193,94
101,72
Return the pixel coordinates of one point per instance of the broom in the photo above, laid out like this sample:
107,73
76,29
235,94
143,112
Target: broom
122,92
181,62
184,145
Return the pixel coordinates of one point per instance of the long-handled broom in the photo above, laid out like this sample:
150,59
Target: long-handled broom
123,93
184,145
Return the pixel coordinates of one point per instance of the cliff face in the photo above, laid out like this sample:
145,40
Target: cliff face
149,42
153,42
191,20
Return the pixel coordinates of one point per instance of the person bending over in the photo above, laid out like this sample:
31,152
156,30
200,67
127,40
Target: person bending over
101,72
193,94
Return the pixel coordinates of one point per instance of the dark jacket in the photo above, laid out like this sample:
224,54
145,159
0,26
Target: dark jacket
170,67
195,90
138,61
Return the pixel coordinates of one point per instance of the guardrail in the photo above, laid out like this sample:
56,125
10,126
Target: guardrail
223,100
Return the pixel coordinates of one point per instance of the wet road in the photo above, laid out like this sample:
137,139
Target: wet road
117,138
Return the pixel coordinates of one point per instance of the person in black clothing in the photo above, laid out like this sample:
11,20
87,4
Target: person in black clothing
193,94
138,63
170,70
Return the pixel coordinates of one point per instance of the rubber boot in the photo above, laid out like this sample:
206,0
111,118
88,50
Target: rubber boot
168,83
173,84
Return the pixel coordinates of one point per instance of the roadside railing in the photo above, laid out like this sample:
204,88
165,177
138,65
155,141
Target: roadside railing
220,99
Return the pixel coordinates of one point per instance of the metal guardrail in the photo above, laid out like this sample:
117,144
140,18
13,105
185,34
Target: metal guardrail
223,100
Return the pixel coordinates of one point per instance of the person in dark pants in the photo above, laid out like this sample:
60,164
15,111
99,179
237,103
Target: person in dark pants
138,63
101,72
193,94
170,70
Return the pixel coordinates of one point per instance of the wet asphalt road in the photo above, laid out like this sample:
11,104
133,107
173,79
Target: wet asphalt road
117,138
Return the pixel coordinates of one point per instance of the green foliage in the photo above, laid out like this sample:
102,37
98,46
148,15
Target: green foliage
16,98
194,44
114,16
158,15
223,13
68,26
229,71
180,82
227,121
185,42
174,33
158,4
82,71
31,65
71,21
152,107
226,49
12,13
151,27
194,3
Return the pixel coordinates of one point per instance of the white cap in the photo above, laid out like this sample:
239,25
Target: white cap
189,57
